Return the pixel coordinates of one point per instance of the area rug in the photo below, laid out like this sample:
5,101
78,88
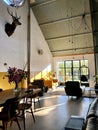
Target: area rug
61,91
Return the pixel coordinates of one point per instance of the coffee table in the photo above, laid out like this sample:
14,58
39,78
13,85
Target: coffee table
75,123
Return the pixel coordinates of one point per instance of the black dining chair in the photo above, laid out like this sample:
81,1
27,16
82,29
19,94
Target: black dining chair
84,81
34,97
9,112
24,107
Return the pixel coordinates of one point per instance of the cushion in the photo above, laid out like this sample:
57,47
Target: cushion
92,124
93,109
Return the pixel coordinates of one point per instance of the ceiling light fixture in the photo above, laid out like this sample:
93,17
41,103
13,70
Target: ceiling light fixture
14,3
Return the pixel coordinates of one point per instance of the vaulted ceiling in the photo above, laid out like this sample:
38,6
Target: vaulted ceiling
66,25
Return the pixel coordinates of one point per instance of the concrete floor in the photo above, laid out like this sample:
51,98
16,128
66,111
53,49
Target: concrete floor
54,112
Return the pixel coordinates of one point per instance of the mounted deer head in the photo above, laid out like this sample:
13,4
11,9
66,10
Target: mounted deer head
10,28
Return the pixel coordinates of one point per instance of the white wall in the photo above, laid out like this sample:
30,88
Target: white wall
89,57
38,62
13,49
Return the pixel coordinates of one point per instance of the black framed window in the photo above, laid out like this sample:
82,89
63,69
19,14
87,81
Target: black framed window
72,70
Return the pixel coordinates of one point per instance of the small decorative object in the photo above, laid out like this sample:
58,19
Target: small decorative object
40,52
15,75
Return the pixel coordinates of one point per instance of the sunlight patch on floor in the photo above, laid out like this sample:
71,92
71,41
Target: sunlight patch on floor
46,110
48,97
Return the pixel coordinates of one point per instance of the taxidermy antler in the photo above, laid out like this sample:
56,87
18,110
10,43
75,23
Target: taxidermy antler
10,28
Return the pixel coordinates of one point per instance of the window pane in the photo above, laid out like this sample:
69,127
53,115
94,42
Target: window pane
84,71
61,72
68,63
67,78
68,71
75,63
75,71
61,64
76,78
61,78
84,62
84,67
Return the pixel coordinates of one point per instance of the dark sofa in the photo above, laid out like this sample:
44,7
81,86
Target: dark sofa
39,83
92,116
72,88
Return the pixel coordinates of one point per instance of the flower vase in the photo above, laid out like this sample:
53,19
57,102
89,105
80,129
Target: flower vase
16,87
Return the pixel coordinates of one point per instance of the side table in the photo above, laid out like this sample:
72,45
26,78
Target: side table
75,123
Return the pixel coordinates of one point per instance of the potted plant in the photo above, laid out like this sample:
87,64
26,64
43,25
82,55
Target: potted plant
15,75
96,83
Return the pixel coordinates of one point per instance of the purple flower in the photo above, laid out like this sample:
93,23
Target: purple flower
16,75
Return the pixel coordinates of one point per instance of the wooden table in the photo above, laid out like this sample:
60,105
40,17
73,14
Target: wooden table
6,94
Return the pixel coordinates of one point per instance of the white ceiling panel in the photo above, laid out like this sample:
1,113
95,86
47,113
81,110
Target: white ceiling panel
66,25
